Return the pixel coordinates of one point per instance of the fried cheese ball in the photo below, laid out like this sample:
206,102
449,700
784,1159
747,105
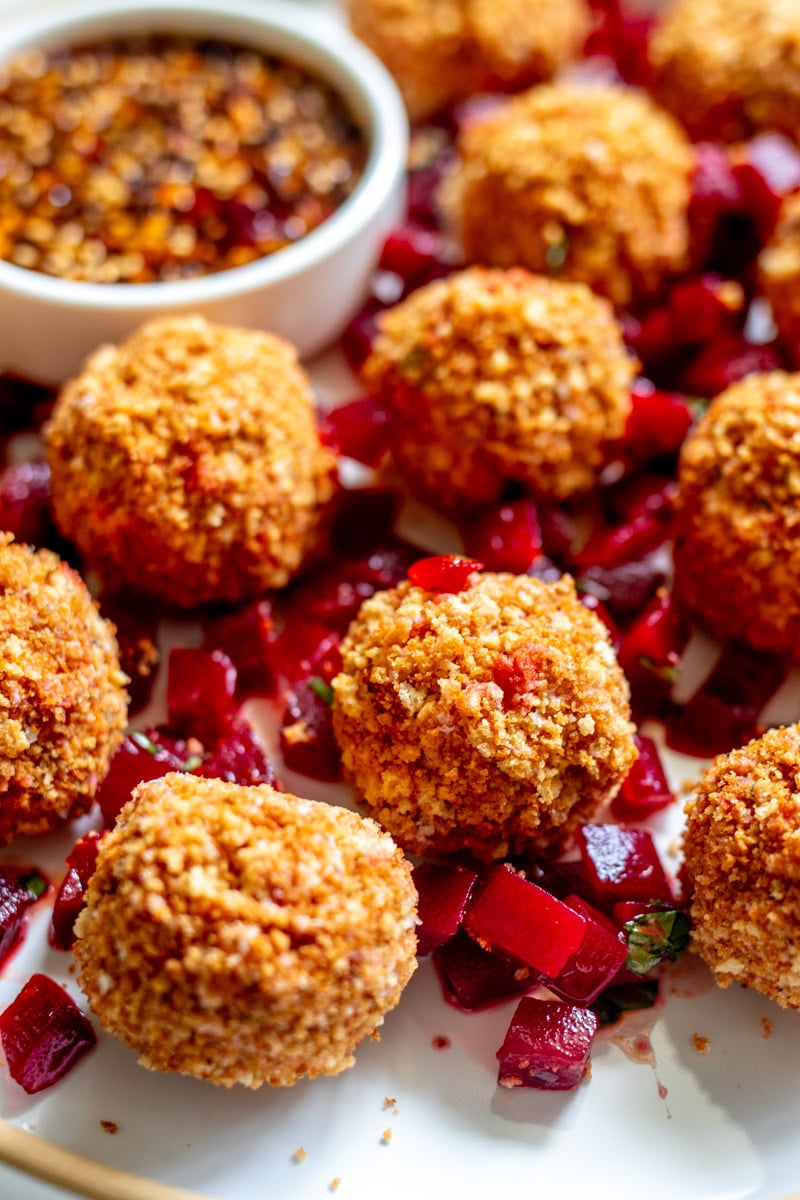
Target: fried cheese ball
590,183
243,935
494,376
742,861
441,51
728,68
186,462
779,276
737,535
63,704
492,720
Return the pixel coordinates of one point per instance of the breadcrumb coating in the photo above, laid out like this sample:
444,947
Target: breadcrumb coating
590,183
779,276
741,849
737,535
728,68
186,462
492,720
441,51
243,935
501,375
63,704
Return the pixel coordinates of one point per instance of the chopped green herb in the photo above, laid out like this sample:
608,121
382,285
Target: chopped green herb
321,689
627,997
145,743
654,936
36,884
664,670
193,762
556,253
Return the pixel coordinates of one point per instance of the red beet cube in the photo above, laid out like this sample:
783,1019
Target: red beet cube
246,636
726,360
474,978
411,251
705,307
510,915
137,759
626,588
622,864
443,891
506,538
307,742
596,962
43,1033
201,690
657,423
238,758
16,897
716,194
69,899
626,543
645,790
767,173
547,1046
25,502
362,520
360,430
443,572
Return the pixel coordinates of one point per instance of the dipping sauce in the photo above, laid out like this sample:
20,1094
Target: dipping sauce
165,158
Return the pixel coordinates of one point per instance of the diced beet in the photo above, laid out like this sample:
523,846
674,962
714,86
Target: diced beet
356,341
625,589
411,251
360,430
362,520
767,170
716,196
546,1046
474,978
25,502
611,547
705,307
423,188
657,423
650,651
652,339
238,758
582,906
137,635
511,915
201,691
505,538
43,1033
334,593
622,864
724,362
301,647
307,742
595,964
645,789
443,572
641,492
138,759
724,712
561,532
562,877
69,900
246,636
17,894
443,890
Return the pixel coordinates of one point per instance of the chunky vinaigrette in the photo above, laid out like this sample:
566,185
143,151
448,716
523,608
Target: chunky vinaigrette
165,158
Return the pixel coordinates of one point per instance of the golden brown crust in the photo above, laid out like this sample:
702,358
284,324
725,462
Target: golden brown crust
779,276
742,855
737,539
186,462
62,694
243,935
589,182
440,51
728,68
492,720
501,375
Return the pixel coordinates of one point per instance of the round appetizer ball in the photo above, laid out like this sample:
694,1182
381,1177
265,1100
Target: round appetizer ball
742,866
62,693
492,720
728,68
779,276
591,183
737,535
242,935
186,462
493,376
441,51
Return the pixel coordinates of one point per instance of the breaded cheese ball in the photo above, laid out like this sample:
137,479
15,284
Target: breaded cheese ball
441,51
741,850
492,720
779,276
63,703
494,376
186,462
590,183
243,935
737,534
729,68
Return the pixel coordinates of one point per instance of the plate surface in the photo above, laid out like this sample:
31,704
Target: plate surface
658,1117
